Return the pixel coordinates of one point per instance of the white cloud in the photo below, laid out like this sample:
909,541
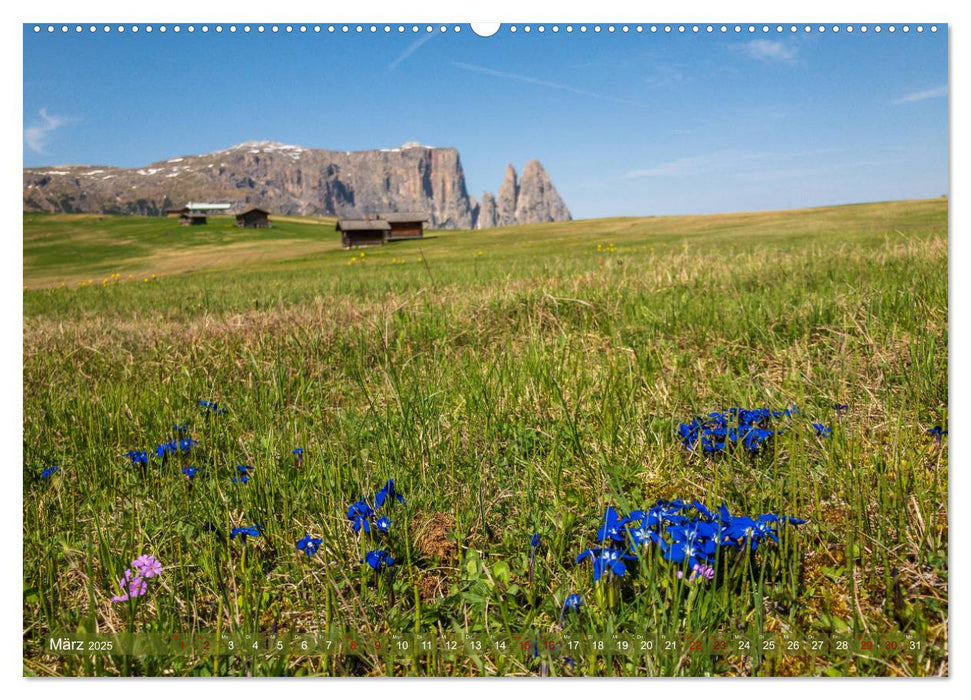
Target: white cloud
36,135
769,51
922,95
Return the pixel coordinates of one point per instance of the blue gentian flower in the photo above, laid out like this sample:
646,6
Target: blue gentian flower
137,457
243,471
185,444
703,511
937,431
572,603
534,542
360,509
180,430
604,560
49,472
754,438
680,552
386,492
190,472
822,430
166,448
694,531
743,529
611,528
378,559
309,545
360,514
244,532
383,523
212,407
841,408
642,536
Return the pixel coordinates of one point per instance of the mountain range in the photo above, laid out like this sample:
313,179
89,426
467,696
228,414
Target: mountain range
293,180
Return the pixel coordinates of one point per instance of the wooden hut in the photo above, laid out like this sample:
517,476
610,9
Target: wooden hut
361,232
175,213
196,213
254,218
405,224
193,218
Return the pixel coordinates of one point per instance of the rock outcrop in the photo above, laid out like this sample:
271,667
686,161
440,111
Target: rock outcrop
487,212
506,201
294,180
531,199
537,200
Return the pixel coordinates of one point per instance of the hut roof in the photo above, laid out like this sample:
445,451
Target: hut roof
206,206
362,225
252,210
403,216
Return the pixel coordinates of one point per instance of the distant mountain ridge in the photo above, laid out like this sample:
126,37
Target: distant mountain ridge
294,180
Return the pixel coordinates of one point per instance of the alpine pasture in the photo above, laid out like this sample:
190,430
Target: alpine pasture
532,380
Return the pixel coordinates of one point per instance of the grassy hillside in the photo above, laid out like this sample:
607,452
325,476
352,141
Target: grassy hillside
75,248
511,381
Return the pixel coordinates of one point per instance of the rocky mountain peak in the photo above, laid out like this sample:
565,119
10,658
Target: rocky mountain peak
506,201
530,199
538,200
487,211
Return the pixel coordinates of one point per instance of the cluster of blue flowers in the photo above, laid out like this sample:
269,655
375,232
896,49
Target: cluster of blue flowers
823,431
750,428
364,519
173,447
137,457
212,407
685,534
181,443
49,472
242,473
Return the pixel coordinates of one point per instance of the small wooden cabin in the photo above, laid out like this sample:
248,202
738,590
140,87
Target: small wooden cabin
254,218
195,213
361,232
193,218
405,224
175,213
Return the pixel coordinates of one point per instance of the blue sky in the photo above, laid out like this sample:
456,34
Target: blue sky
635,124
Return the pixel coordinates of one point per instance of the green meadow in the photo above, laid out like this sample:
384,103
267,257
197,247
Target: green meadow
511,381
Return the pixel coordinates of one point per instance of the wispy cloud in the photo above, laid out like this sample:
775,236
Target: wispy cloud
36,134
412,47
543,83
830,170
922,95
723,161
770,51
663,75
